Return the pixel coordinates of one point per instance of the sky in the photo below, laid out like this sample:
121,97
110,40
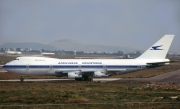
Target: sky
129,23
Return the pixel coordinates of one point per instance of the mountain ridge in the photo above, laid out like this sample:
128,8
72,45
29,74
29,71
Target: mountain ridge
68,45
32,45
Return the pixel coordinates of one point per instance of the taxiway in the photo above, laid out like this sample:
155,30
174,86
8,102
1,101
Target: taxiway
56,80
170,77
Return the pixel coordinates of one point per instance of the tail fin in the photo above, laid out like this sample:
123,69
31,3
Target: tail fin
159,49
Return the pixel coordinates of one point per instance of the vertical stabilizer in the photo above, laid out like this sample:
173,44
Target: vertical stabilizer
159,49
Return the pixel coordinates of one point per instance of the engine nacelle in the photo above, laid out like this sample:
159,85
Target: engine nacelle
98,74
167,63
73,75
60,73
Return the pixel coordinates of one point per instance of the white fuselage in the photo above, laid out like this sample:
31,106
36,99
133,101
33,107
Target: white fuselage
51,66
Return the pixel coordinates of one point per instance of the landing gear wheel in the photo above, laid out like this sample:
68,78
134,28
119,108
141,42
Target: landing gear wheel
21,79
88,78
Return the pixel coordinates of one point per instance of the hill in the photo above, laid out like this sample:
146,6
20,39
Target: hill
67,44
31,45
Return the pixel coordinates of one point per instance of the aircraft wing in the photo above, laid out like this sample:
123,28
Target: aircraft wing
67,71
95,73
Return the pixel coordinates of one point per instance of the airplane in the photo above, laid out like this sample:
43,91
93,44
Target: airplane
13,52
87,69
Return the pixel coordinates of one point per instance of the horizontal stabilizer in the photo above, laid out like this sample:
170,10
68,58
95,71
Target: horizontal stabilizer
157,63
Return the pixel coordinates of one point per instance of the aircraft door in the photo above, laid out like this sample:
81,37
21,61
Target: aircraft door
27,68
79,67
50,67
104,67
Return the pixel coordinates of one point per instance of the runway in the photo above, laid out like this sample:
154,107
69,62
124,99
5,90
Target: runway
58,80
170,77
2,71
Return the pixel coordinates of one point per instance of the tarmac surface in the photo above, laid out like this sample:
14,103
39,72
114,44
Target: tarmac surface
53,80
2,70
170,77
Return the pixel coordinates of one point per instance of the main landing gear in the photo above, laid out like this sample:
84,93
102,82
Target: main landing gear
21,79
88,78
84,78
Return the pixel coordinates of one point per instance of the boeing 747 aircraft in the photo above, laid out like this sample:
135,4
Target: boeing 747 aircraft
86,69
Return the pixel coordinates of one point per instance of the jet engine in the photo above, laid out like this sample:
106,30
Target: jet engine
98,74
73,75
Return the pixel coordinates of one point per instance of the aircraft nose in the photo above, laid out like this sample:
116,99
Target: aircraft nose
5,66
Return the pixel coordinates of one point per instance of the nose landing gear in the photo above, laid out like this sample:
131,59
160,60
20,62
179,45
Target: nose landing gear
21,79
